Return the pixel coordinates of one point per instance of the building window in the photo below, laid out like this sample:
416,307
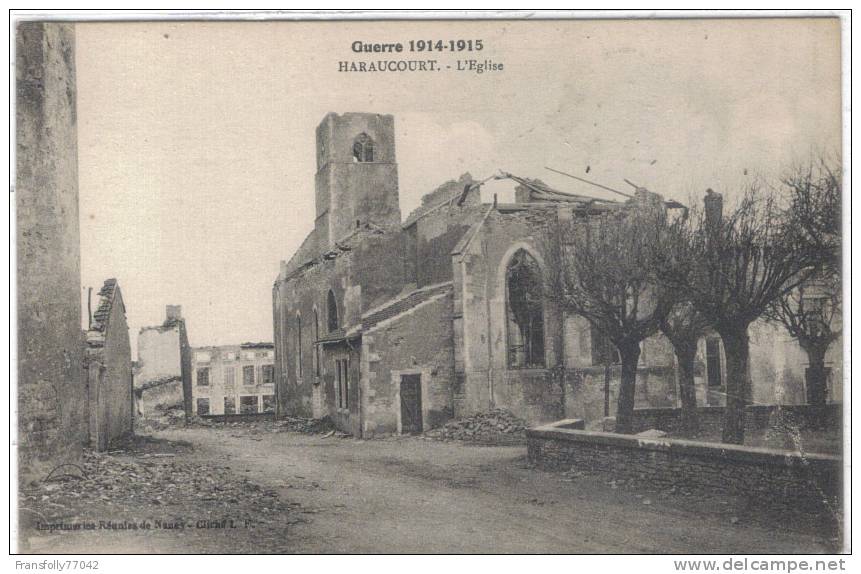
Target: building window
267,374
229,405
316,345
604,352
248,375
202,407
713,374
268,403
342,381
332,310
298,346
363,148
248,405
284,343
525,312
229,377
203,377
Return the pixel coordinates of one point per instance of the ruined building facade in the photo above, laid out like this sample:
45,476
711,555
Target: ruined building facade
391,326
233,379
162,375
108,363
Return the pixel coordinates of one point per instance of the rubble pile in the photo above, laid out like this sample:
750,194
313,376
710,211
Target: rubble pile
306,426
129,486
161,419
286,424
497,426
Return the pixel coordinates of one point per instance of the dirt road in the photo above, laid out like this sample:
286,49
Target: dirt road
415,495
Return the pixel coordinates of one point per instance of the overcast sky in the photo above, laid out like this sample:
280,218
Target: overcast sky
196,140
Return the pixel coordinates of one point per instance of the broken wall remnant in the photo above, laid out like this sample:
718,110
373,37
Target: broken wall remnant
109,370
52,421
162,379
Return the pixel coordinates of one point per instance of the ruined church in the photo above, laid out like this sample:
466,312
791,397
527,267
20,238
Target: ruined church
391,325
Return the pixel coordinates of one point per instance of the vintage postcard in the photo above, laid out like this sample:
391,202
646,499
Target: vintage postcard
501,285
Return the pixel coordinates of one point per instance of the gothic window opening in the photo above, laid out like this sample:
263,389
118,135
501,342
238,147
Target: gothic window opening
363,148
332,312
316,345
298,346
713,369
525,312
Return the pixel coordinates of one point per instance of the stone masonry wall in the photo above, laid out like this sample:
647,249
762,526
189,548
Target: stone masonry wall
109,370
757,417
416,342
52,417
778,477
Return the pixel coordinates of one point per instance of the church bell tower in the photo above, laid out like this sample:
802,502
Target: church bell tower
357,174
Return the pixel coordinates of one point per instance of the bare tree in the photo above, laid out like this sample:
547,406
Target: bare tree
604,275
683,327
811,312
814,211
732,269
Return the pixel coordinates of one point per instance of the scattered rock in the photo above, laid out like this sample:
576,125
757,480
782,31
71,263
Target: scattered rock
652,433
140,484
492,427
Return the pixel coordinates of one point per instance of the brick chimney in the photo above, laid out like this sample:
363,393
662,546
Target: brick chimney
713,204
173,312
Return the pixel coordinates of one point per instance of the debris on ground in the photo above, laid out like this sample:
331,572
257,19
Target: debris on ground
140,483
160,418
652,433
497,426
255,425
324,425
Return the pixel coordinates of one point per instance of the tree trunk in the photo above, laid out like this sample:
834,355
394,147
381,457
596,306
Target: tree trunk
686,355
737,347
817,384
629,355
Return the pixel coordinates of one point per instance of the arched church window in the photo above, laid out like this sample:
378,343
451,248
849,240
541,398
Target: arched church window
298,346
316,345
363,148
332,312
524,311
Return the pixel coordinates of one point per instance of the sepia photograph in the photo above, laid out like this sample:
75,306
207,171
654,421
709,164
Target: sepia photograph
411,283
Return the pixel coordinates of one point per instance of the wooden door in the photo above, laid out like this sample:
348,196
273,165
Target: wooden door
411,403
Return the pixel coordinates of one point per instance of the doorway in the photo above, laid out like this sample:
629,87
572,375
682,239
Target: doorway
411,404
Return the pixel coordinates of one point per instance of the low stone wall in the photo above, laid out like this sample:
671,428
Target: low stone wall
757,417
773,476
